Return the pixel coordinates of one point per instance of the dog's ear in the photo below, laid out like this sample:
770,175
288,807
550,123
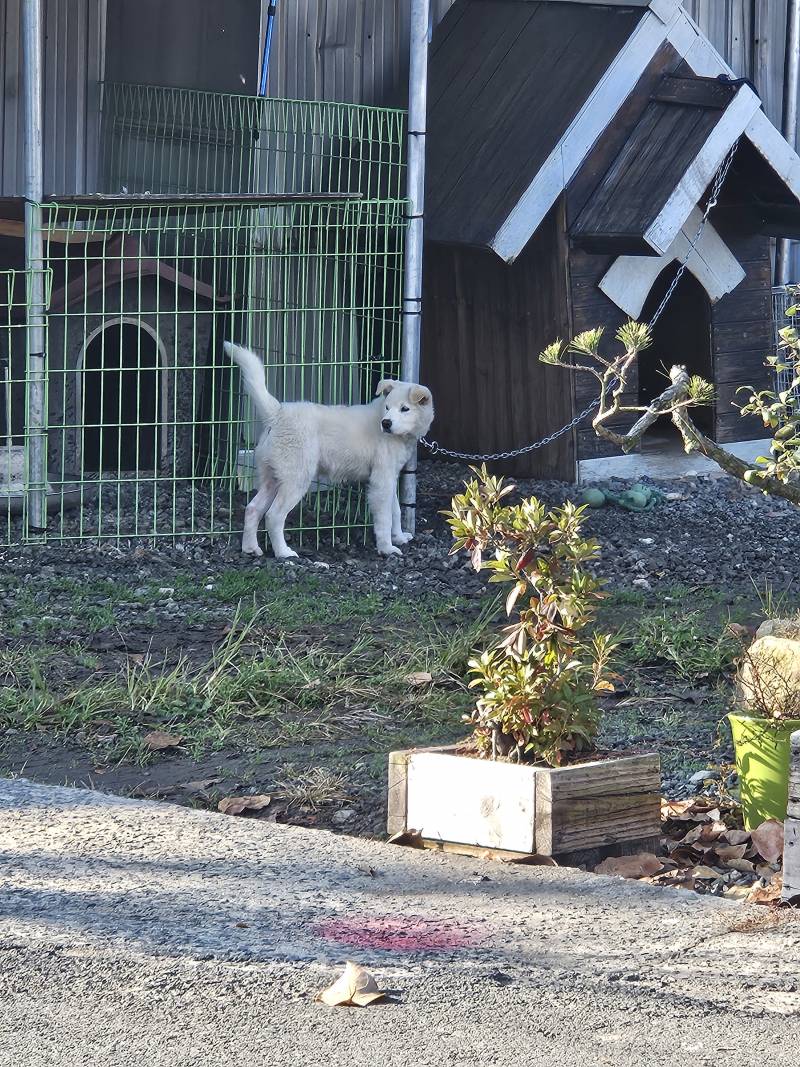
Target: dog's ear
418,394
385,387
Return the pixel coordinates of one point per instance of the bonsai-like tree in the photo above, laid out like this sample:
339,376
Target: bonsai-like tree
775,474
538,683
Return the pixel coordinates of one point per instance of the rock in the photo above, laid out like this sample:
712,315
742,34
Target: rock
789,628
642,583
769,678
342,816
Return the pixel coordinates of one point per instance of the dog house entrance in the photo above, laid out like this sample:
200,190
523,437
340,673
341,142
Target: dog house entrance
121,400
681,335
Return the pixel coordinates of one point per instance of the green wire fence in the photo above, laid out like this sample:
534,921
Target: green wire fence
148,434
275,223
163,140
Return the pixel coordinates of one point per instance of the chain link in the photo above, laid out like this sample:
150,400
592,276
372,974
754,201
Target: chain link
436,449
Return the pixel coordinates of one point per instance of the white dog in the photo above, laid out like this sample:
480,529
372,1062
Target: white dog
304,442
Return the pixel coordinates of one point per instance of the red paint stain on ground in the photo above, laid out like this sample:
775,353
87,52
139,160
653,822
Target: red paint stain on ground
409,934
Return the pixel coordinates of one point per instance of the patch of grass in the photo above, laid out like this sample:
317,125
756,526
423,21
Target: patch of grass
257,690
685,642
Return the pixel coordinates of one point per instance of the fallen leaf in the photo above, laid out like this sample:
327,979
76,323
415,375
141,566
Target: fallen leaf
236,805
768,839
419,678
640,865
730,852
736,837
409,838
704,873
604,686
745,866
766,894
353,986
158,740
533,859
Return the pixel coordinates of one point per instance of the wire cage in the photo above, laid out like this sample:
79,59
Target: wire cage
783,298
275,223
173,141
147,433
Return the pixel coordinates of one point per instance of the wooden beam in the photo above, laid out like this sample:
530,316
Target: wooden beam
10,228
630,278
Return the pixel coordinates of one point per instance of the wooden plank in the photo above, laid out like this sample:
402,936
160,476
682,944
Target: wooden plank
775,150
698,92
472,801
736,366
743,305
743,336
791,859
600,803
793,809
398,793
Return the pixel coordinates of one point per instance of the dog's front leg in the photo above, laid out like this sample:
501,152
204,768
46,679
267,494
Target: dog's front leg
399,535
382,495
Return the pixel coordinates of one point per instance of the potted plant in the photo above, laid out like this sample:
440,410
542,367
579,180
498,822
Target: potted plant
767,714
530,779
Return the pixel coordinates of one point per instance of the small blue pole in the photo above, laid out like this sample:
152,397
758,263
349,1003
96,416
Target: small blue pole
271,9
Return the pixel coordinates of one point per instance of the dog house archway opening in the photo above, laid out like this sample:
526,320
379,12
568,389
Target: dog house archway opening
681,335
121,398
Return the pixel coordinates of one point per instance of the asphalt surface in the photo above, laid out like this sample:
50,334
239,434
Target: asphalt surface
135,932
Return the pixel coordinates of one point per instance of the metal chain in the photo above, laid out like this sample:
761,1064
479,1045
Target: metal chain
436,449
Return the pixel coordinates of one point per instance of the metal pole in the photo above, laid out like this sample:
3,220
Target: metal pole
272,8
36,421
791,87
412,278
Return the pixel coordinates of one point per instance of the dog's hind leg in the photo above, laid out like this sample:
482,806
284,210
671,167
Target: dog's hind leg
254,513
287,497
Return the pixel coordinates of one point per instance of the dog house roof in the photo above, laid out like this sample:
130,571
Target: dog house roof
125,257
521,92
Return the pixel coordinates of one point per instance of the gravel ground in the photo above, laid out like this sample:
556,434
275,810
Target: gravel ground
135,931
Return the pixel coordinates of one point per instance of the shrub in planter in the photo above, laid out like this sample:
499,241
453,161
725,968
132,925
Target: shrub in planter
537,685
767,713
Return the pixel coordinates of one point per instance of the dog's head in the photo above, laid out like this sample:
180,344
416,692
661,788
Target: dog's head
407,408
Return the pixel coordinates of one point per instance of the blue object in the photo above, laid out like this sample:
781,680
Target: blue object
271,9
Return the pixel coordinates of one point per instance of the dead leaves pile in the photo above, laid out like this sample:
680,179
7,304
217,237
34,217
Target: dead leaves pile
706,850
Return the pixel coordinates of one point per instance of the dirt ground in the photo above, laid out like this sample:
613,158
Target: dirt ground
192,674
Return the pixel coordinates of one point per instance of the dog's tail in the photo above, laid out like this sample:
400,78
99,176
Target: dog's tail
253,374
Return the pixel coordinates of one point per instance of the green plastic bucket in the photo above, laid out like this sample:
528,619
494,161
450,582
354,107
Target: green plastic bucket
763,758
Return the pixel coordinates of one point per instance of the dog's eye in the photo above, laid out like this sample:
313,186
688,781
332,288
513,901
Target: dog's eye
404,408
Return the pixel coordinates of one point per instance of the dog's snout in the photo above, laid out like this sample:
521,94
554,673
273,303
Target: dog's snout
386,424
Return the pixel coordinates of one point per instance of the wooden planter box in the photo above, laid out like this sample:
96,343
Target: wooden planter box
448,797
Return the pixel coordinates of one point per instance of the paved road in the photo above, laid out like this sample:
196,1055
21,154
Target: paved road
139,932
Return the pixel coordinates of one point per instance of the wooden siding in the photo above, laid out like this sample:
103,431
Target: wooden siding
741,331
484,325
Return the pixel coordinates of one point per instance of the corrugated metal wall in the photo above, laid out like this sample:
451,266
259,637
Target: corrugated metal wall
355,50
73,65
350,50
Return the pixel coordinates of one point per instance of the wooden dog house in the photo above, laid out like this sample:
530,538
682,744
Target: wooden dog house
571,148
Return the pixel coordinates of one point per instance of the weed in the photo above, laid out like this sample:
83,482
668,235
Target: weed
685,642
